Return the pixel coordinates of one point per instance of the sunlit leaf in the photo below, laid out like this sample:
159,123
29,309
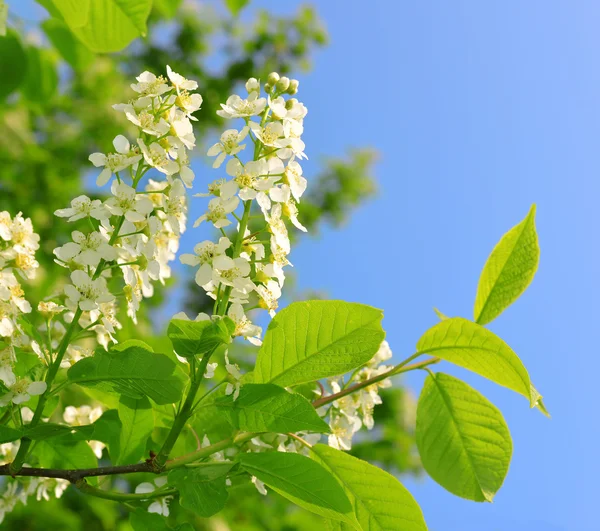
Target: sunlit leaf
508,270
462,438
315,339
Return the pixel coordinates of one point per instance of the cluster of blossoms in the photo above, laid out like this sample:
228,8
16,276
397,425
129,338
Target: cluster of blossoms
136,230
350,413
248,272
18,244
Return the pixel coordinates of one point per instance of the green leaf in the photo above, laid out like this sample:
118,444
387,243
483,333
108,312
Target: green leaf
42,79
70,49
137,422
61,455
9,434
105,26
302,481
134,372
235,6
142,520
195,338
379,500
66,433
315,339
166,8
202,489
270,408
475,348
107,429
13,64
462,438
508,270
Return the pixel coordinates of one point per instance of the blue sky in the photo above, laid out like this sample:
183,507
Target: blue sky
478,110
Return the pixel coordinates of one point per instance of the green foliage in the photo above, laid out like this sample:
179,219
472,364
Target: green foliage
9,434
302,481
13,59
202,489
508,270
270,408
133,372
315,339
235,6
105,25
42,79
463,439
378,499
70,49
475,348
196,338
137,421
52,454
142,520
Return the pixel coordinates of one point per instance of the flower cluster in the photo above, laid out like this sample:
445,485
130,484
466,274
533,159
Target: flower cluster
136,230
248,272
18,244
348,414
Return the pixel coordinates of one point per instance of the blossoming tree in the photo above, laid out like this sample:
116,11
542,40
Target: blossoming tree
187,421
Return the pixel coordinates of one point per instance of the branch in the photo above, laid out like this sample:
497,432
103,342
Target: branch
398,369
76,474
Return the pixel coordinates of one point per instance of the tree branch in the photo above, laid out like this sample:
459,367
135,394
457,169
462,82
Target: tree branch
398,369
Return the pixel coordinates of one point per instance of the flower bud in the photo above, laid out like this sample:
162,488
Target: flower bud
283,84
273,78
293,88
268,88
252,85
289,104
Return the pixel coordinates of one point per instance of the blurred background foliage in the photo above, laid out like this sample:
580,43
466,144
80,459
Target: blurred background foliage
59,77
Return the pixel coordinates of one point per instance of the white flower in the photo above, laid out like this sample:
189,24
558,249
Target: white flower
147,122
278,228
126,202
271,135
210,370
180,82
7,360
293,174
82,207
160,506
243,325
23,238
269,295
175,207
183,162
156,156
85,292
236,107
81,416
208,255
114,162
342,430
5,226
218,209
150,85
86,249
282,194
235,274
260,486
250,178
181,129
50,308
21,391
229,144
